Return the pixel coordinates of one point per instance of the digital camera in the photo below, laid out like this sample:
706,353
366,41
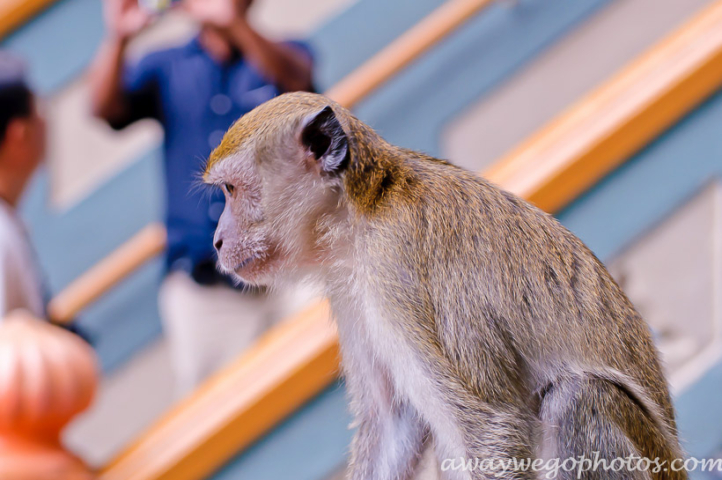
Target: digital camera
157,6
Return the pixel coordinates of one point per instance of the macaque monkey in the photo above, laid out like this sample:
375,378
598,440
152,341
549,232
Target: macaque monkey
466,315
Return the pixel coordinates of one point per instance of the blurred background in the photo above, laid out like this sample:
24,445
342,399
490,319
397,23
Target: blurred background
561,99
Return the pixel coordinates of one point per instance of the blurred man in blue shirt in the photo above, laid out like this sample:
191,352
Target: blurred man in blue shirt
196,91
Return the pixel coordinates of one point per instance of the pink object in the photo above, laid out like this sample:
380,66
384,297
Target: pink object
47,377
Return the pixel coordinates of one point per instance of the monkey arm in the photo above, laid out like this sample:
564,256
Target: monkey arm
387,447
390,435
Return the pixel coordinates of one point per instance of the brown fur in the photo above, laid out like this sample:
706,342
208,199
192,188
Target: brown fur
464,312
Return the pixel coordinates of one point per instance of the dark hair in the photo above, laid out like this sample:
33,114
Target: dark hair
16,98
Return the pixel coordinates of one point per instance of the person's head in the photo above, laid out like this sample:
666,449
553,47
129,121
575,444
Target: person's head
22,128
200,11
214,19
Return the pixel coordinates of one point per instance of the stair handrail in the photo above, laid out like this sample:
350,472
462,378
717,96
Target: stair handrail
14,13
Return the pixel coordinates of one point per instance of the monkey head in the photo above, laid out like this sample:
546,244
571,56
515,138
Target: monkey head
278,167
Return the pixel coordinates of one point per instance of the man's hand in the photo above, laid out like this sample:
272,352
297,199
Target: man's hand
125,18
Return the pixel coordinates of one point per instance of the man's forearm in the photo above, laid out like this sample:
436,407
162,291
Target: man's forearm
286,66
106,79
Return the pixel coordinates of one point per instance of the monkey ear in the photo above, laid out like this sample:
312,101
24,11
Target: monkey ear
326,141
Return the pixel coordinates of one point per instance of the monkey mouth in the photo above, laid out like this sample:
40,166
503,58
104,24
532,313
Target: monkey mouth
245,263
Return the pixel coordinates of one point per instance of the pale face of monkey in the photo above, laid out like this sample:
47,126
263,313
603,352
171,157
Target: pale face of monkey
277,196
242,237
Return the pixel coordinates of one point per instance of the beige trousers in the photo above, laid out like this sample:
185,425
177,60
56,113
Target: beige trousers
208,326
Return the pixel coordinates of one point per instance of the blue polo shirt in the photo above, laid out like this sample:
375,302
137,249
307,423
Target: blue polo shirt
196,99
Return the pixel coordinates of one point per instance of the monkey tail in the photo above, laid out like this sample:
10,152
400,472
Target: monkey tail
637,394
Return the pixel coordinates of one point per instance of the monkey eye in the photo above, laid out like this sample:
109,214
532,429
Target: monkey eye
229,188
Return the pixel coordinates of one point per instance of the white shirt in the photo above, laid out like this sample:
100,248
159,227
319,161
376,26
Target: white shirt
20,285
